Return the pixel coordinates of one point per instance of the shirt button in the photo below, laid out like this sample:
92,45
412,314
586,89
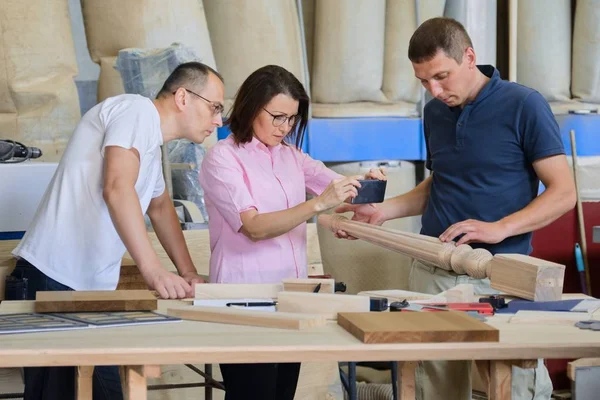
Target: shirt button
460,124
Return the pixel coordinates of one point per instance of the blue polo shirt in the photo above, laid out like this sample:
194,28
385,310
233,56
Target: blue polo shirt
481,157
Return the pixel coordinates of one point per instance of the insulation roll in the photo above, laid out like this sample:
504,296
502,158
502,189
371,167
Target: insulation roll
544,47
248,35
348,51
109,82
479,19
112,25
359,264
39,104
402,16
586,51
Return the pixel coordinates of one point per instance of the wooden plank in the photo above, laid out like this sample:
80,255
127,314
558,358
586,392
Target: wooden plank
90,301
236,316
417,327
527,277
83,386
328,305
237,290
580,363
548,317
309,285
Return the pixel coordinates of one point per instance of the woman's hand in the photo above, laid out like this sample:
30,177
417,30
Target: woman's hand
376,173
338,191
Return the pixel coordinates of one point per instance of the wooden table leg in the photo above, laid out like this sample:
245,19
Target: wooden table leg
135,387
83,384
500,383
406,379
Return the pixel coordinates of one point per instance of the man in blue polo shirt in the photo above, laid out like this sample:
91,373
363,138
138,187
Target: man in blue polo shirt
489,144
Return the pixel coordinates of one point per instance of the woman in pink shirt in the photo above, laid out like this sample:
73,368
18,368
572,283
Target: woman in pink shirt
255,183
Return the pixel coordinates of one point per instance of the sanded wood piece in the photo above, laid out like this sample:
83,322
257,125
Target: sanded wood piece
99,300
327,305
527,277
309,285
417,327
548,318
524,276
237,290
237,316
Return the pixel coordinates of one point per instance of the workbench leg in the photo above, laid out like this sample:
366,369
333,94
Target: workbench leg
406,379
500,383
83,386
135,383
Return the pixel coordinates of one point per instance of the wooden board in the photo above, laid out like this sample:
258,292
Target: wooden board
237,290
236,316
417,327
328,305
90,301
309,285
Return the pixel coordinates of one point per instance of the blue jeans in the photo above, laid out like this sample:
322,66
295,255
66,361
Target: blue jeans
58,383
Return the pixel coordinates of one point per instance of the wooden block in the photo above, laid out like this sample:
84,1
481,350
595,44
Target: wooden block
237,291
328,305
236,316
417,327
309,285
548,317
527,277
581,363
90,301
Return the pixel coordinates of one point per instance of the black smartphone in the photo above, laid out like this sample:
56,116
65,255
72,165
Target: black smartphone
370,191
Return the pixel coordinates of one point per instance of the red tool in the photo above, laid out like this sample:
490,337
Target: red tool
481,308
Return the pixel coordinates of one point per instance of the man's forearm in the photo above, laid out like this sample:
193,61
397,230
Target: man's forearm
168,230
125,211
408,204
543,210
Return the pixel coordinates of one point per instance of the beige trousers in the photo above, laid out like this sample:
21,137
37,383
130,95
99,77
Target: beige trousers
451,380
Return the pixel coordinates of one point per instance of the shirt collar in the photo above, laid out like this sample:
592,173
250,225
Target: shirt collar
491,86
257,145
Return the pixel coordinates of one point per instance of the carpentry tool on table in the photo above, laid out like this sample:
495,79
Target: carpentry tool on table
479,308
496,302
338,286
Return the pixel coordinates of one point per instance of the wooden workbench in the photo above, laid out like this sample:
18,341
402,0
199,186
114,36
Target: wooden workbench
198,342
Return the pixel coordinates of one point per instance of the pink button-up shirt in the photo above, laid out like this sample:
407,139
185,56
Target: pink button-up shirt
252,175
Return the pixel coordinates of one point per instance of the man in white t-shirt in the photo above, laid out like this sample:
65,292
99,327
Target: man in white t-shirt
109,176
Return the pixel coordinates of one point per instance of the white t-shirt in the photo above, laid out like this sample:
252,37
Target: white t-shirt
72,238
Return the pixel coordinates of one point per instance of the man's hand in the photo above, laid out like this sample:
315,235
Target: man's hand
376,173
192,278
368,213
167,284
475,232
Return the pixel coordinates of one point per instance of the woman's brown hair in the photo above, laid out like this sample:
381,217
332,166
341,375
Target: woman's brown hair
256,92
